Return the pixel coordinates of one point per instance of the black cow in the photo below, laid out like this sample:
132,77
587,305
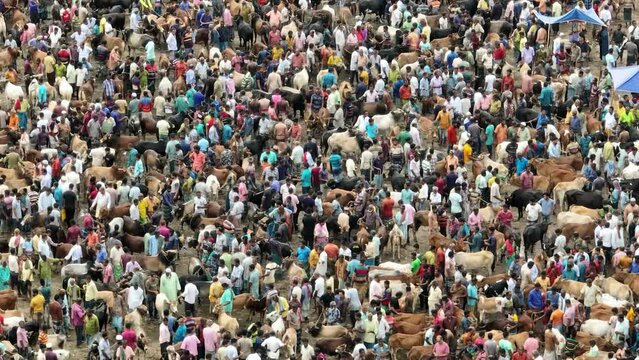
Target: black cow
532,234
496,289
440,33
105,4
345,184
522,197
295,100
372,6
116,20
590,200
157,146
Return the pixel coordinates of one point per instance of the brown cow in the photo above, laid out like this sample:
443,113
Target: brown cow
156,263
134,243
8,299
404,341
347,196
585,231
420,352
541,183
118,211
112,173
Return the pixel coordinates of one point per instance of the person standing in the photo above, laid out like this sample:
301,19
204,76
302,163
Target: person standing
169,285
189,295
91,326
77,320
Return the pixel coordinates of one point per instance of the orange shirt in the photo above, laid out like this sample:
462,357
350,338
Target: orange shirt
13,121
198,161
500,134
92,239
556,317
332,251
404,92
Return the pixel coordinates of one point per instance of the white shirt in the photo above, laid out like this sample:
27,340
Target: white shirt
45,201
134,212
490,81
238,209
350,167
606,237
376,292
190,293
560,243
273,345
200,204
75,254
135,298
533,211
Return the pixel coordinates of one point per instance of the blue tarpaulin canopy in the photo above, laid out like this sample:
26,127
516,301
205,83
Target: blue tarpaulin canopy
576,14
625,78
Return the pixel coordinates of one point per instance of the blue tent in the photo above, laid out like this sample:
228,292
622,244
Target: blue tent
625,78
576,14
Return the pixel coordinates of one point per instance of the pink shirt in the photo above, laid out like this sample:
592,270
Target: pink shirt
274,18
530,346
409,214
210,339
77,315
474,220
441,348
228,18
198,161
190,344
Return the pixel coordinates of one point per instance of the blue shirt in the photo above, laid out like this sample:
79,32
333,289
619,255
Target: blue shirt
306,178
569,274
546,206
203,144
372,130
535,300
227,133
471,293
102,255
303,253
546,96
634,268
521,163
553,297
541,120
328,80
153,245
336,161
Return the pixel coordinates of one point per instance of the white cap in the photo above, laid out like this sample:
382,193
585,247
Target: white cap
49,346
633,199
118,338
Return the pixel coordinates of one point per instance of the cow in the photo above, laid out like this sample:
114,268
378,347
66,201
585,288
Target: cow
596,327
590,200
520,198
162,303
502,155
475,261
328,331
561,188
156,263
490,306
540,183
569,217
573,288
533,233
404,341
582,210
614,287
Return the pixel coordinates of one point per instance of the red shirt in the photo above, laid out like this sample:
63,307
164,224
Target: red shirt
499,53
130,338
451,135
404,92
387,207
508,83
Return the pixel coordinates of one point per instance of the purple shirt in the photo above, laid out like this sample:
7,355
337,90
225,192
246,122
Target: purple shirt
21,338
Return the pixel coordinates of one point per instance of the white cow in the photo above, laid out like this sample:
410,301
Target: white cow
482,260
596,328
502,155
162,303
74,270
566,217
386,122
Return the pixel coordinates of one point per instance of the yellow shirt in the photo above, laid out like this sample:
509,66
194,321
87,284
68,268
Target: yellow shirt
49,63
313,258
335,60
429,258
543,282
215,292
277,53
37,304
91,292
631,314
468,152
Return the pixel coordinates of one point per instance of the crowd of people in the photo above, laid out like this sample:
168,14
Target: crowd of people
512,95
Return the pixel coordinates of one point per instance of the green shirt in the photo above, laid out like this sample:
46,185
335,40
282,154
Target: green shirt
189,95
182,104
490,132
414,265
91,325
227,300
403,137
